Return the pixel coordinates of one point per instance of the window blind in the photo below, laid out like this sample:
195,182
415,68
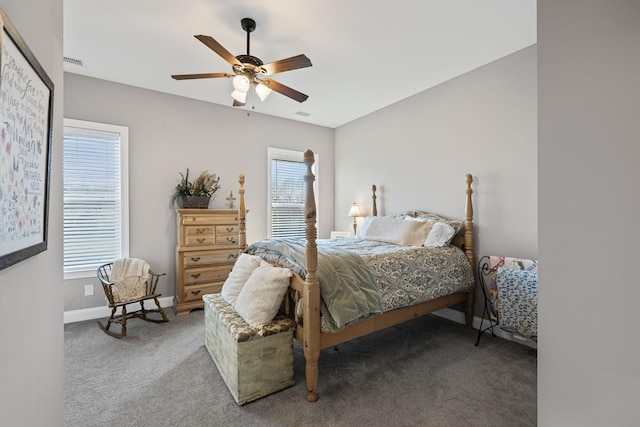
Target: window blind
287,198
92,218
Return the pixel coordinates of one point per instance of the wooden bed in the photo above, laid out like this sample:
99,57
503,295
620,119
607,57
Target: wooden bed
308,331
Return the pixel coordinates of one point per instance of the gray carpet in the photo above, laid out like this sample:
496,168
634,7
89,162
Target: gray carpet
426,372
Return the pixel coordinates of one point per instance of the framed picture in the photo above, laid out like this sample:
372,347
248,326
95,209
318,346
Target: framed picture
26,112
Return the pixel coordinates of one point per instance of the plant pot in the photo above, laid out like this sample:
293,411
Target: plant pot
200,202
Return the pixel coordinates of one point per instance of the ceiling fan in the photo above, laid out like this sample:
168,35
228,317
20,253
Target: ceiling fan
249,70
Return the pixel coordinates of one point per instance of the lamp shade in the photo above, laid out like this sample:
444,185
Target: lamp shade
239,96
241,83
262,91
354,211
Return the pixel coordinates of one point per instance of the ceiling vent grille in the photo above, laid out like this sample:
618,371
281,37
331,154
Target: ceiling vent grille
73,61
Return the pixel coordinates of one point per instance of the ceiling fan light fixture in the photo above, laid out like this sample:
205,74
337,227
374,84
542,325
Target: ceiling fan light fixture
239,96
247,68
241,83
263,91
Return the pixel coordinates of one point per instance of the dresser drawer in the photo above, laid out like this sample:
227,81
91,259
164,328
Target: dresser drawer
199,230
227,228
207,219
200,240
195,292
203,258
218,273
226,239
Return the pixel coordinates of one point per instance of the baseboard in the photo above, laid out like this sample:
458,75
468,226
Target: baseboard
458,316
447,313
104,311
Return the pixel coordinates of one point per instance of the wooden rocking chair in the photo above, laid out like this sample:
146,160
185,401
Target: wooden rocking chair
116,299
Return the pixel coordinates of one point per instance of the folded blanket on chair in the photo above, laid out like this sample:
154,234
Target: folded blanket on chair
496,262
129,277
518,296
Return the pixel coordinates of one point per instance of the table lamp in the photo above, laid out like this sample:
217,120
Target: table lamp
354,212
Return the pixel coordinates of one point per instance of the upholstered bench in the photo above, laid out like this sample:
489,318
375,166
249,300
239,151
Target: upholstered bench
253,362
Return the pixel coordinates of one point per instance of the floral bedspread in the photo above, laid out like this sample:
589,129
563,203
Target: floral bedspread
409,275
404,275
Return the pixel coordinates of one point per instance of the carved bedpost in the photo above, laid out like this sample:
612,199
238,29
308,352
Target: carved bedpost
468,249
311,299
242,213
374,211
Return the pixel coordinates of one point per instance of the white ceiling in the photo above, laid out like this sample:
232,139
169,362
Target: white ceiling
365,54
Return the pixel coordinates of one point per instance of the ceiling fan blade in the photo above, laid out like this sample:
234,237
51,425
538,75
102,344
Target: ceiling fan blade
285,90
217,48
200,76
237,103
288,64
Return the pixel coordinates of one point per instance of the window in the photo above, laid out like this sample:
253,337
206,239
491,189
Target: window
286,210
95,186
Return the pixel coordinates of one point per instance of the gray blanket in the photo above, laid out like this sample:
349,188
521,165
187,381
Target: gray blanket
347,286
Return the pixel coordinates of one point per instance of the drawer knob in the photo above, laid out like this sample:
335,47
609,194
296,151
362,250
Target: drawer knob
232,256
199,230
200,240
195,276
231,239
195,258
229,229
195,292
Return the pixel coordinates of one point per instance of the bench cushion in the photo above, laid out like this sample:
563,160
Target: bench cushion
239,329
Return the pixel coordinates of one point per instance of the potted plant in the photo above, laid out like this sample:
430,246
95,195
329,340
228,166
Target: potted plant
195,194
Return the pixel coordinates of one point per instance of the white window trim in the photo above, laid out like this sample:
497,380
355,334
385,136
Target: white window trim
293,155
88,127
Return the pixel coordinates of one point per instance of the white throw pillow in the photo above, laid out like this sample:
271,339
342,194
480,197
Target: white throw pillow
242,269
262,295
365,225
440,234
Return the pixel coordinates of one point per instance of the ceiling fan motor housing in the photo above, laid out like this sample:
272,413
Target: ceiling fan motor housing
250,59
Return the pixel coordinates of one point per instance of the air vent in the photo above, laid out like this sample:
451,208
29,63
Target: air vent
73,61
303,114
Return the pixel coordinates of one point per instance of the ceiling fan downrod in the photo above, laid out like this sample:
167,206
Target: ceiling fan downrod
249,25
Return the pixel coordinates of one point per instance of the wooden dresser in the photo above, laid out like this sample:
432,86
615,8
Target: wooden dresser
207,246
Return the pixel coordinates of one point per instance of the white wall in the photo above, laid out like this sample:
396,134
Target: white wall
167,135
31,301
418,151
588,152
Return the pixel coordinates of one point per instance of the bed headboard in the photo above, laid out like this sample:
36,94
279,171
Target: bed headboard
463,240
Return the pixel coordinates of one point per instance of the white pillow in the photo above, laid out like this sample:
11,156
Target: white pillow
365,225
262,295
397,231
242,269
441,233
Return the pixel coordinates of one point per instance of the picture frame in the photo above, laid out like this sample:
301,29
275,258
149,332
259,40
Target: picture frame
26,109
